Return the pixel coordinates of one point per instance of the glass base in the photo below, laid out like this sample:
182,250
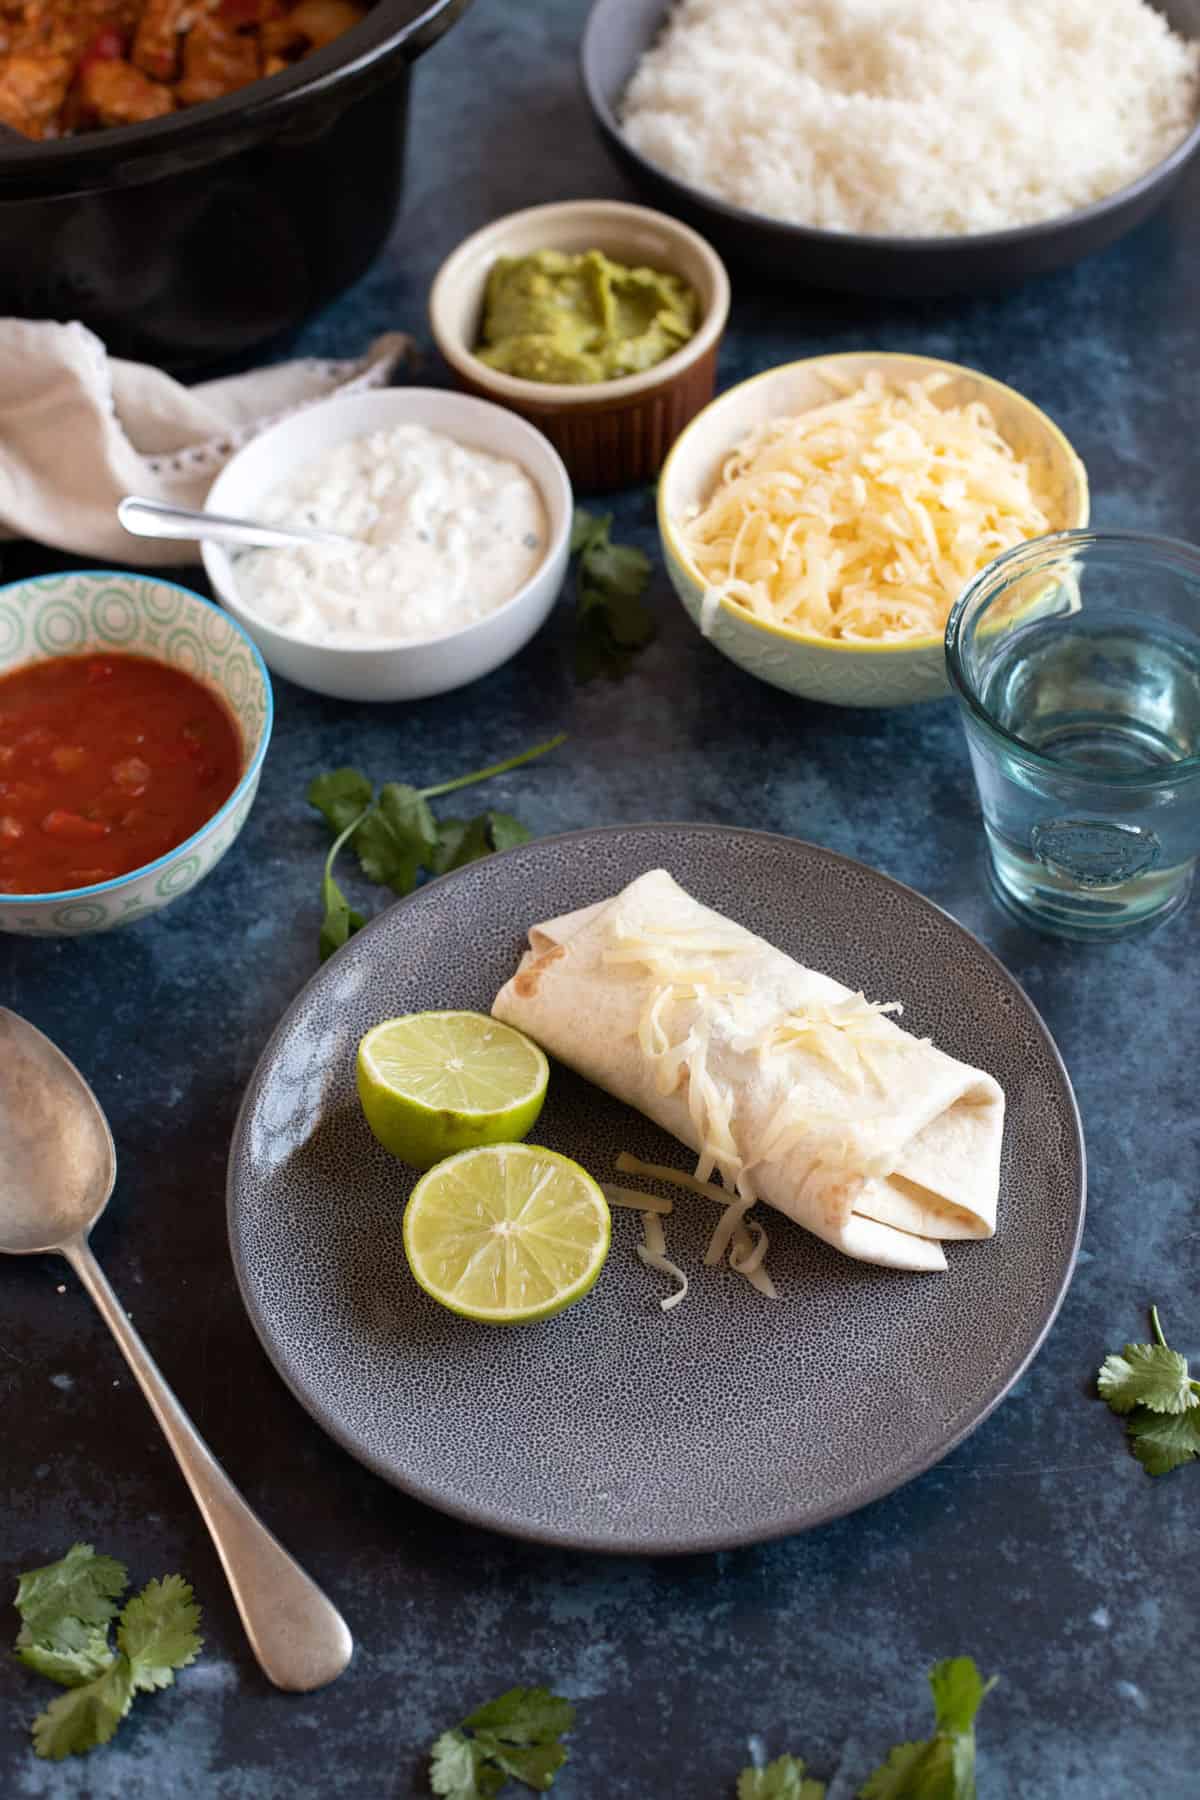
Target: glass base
1042,900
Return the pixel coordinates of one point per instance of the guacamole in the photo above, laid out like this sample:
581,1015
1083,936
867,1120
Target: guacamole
575,316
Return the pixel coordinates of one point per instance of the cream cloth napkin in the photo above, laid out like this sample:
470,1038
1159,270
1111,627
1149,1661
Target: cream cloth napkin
80,429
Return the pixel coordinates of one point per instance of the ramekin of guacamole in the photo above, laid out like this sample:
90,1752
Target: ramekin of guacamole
578,317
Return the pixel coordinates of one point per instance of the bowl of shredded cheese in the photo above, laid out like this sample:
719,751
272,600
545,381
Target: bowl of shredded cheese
820,520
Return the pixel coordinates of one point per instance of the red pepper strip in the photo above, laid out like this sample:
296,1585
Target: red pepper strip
106,46
73,827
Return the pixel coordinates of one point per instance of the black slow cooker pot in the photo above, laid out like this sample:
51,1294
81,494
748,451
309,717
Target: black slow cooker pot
195,238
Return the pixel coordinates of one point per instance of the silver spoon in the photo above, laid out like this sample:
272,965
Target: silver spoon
158,519
57,1170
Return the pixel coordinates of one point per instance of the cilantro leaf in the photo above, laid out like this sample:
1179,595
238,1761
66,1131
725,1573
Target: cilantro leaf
1152,1386
505,831
462,841
454,1770
157,1632
77,1652
619,570
943,1766
534,1764
81,1585
900,1776
340,920
783,1779
611,622
457,1770
1164,1441
1147,1375
452,836
608,634
339,796
85,1716
397,838
524,1715
588,529
959,1690
516,1734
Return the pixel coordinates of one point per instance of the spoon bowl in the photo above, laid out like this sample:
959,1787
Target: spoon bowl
57,1170
59,1164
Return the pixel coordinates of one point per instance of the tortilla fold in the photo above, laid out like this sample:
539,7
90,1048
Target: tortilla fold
796,1090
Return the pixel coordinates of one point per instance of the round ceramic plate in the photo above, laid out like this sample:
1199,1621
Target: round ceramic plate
617,1426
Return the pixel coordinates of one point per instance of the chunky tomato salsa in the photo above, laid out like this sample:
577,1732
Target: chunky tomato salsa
106,762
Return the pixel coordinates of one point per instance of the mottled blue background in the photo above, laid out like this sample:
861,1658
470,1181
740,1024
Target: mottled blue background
1039,1546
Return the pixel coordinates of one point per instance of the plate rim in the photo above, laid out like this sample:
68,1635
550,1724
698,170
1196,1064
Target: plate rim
718,1539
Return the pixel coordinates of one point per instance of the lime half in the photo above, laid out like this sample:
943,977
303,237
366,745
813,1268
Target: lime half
438,1082
507,1233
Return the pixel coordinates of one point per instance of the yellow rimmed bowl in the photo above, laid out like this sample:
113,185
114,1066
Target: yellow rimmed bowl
820,668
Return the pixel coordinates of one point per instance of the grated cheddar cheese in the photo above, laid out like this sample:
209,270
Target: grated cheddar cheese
862,519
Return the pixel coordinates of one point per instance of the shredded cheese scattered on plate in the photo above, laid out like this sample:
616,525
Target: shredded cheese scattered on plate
731,1232
749,1259
862,519
629,1197
653,1253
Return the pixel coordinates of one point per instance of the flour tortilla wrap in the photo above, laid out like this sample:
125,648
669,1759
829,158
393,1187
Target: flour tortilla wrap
784,1081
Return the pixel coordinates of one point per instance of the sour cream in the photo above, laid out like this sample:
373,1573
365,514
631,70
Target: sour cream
445,535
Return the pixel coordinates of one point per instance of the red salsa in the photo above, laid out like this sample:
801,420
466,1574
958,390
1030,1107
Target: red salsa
106,762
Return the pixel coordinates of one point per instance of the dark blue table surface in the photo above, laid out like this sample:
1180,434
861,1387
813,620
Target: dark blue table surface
1039,1547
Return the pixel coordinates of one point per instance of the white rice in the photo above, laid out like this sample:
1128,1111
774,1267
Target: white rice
918,117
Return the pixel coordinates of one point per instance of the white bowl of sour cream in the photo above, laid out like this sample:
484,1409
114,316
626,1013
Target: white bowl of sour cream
461,516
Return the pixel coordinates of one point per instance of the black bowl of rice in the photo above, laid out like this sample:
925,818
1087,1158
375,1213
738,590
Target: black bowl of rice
900,147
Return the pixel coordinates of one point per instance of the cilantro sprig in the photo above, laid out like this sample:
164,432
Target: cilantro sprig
514,1737
611,622
941,1767
1151,1387
518,1737
67,1610
783,1779
396,835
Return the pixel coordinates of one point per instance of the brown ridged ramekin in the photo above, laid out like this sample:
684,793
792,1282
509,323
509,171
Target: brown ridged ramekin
610,434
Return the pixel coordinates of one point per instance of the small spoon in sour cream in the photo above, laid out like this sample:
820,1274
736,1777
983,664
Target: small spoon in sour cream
158,519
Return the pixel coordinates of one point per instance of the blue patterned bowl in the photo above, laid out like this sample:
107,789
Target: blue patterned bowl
141,615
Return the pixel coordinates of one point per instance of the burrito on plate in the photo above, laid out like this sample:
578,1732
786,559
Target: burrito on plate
791,1087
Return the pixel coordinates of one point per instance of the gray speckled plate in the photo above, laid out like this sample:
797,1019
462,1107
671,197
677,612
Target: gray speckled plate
616,1426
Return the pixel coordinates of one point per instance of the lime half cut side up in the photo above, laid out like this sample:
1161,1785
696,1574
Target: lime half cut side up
507,1233
434,1083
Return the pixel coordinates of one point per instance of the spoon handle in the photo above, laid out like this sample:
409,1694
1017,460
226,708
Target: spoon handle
159,519
299,1638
